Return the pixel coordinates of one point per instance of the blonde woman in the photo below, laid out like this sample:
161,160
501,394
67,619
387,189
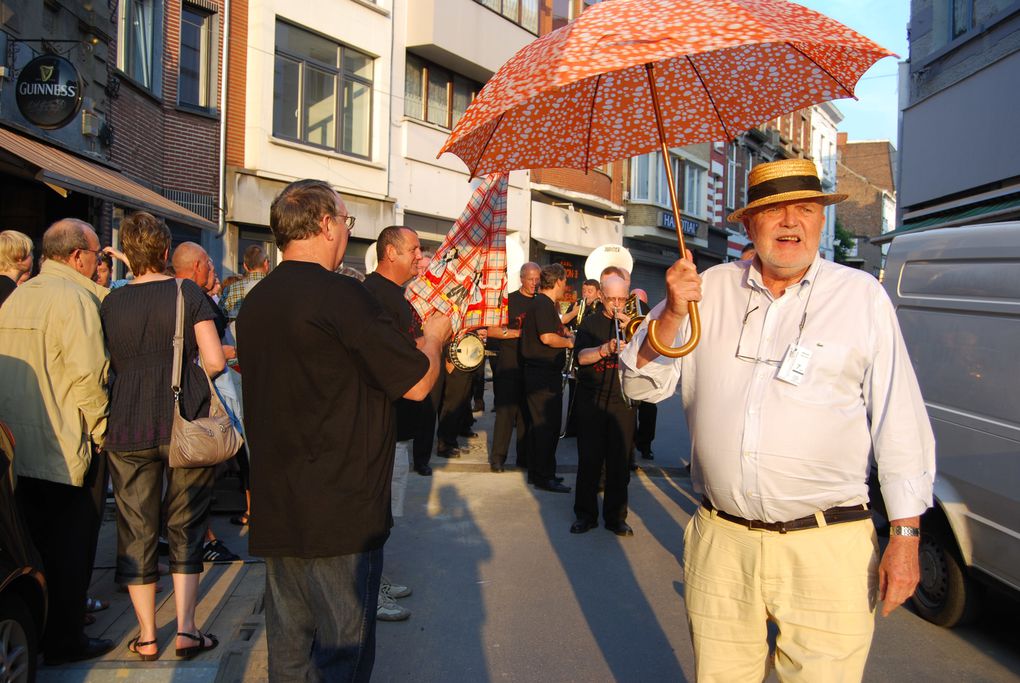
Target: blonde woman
15,261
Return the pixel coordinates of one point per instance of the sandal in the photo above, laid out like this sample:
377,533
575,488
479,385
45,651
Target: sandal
95,604
239,520
134,644
198,637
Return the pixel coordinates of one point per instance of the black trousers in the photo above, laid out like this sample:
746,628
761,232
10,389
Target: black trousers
425,435
605,438
544,390
647,413
455,414
138,478
511,414
63,522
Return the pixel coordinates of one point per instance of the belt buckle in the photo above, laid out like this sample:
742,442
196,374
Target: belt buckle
758,525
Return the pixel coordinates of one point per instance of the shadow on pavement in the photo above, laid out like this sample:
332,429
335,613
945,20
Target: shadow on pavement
627,628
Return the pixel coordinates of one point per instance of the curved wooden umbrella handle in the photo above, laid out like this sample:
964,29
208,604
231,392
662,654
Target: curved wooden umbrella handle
677,351
692,306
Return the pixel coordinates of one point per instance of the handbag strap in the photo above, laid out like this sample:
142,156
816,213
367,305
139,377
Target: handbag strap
178,341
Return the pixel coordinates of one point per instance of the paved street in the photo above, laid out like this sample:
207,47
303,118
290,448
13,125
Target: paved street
503,592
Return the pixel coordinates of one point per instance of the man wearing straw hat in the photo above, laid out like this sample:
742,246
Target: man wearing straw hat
805,358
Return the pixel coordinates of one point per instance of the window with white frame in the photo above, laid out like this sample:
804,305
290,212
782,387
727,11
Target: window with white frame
731,176
322,92
648,179
694,189
135,42
435,94
196,82
524,13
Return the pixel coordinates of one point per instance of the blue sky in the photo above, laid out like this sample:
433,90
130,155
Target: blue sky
873,116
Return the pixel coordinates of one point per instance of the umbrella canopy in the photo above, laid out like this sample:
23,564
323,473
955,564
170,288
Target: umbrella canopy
580,96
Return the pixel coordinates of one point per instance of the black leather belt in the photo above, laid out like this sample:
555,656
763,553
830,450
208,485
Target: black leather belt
852,513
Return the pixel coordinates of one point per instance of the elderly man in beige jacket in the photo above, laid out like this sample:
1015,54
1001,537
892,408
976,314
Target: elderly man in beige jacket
53,368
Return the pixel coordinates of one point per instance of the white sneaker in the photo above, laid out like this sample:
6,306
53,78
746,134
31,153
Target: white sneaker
389,610
394,590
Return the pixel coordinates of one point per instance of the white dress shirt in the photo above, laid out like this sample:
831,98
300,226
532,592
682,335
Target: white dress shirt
768,450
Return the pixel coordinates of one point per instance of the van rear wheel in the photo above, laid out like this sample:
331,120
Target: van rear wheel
945,595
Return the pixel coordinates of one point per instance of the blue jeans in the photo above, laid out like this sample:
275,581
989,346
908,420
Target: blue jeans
320,616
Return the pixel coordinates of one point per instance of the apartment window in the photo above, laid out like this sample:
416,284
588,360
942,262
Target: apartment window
694,190
731,177
435,94
524,13
322,92
195,86
135,42
962,17
648,179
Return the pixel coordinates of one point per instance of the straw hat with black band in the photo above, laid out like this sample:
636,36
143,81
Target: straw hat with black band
786,180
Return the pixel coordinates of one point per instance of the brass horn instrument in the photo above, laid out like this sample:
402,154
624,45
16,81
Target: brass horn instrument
630,308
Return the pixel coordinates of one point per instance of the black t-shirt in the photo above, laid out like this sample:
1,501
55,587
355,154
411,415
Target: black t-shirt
600,378
589,309
322,365
7,287
518,306
544,317
391,297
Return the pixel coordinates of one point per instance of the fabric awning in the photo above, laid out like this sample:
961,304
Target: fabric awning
1001,210
57,167
565,248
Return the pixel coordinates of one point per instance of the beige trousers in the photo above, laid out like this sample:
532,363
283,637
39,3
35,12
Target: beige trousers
819,586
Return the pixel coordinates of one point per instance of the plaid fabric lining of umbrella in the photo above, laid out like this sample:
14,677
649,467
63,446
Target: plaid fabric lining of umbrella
466,279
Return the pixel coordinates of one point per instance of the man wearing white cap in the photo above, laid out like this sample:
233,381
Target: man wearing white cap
802,373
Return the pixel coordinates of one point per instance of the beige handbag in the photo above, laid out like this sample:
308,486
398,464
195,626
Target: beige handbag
205,441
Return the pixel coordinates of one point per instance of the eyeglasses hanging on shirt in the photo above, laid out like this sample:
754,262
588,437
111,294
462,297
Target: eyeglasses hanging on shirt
793,365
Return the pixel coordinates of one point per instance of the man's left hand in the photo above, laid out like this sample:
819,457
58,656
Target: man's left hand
900,570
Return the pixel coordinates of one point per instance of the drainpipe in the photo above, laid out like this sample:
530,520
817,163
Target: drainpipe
222,190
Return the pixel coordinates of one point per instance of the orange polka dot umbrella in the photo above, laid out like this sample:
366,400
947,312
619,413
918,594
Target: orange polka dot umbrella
631,76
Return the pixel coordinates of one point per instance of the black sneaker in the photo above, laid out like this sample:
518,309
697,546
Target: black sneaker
215,551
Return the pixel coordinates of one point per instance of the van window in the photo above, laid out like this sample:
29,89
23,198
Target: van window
998,279
965,362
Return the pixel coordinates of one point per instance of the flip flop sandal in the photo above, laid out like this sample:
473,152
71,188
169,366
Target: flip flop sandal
95,605
134,644
198,637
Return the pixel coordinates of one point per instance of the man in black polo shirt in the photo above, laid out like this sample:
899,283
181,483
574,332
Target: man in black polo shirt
323,364
543,344
398,250
508,380
607,417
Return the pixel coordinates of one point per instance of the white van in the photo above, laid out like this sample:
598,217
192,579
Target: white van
957,297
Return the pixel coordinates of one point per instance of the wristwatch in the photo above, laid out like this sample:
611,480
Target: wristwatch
897,530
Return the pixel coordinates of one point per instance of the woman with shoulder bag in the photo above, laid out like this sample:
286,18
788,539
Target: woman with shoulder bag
139,321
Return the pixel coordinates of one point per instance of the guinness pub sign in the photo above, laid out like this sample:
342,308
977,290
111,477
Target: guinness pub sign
49,91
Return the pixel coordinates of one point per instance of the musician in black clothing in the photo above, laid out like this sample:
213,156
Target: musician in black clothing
508,379
606,416
543,344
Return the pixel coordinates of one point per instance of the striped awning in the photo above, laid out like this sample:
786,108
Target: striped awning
56,167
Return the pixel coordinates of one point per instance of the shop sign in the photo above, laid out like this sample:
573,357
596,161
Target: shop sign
688,226
49,91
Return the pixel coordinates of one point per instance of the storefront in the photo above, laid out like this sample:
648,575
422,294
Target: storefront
567,235
249,196
41,183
